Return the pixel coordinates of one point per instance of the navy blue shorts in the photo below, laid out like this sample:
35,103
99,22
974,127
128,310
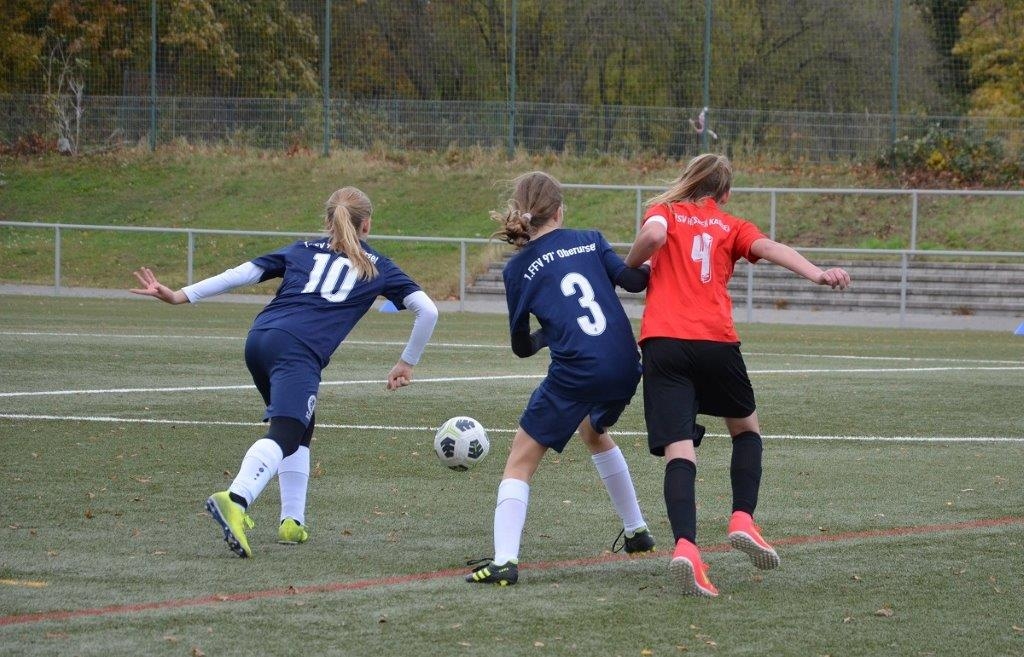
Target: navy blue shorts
551,420
685,377
285,371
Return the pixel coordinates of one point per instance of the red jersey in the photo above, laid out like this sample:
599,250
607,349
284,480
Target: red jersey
688,296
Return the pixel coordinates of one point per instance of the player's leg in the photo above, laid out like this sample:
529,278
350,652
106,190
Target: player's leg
293,479
287,376
670,411
258,466
745,475
731,396
614,472
510,512
547,422
745,465
290,373
687,567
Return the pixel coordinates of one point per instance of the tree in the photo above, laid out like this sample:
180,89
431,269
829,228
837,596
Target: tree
229,48
992,41
63,73
278,48
943,20
21,45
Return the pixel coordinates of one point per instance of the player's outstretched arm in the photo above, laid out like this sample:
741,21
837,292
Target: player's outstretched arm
422,328
151,287
788,257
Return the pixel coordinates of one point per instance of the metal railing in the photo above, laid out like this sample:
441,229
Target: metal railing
639,192
904,255
774,192
191,233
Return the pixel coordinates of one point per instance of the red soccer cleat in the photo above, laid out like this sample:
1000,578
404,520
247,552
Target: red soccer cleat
745,536
691,573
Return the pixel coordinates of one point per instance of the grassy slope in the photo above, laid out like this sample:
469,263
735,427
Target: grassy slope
446,195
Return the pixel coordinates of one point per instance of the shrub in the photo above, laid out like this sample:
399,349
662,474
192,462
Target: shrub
946,156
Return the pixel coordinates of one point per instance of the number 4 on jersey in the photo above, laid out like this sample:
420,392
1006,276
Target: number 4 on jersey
701,252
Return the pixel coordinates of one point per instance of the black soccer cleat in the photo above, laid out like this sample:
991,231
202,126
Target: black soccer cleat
640,541
489,572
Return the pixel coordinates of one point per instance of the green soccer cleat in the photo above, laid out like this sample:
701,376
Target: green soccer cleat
291,532
489,572
233,520
635,543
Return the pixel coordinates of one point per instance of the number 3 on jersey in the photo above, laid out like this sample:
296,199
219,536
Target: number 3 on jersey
701,252
329,286
574,284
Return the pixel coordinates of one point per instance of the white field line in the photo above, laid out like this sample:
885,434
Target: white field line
236,338
504,347
504,377
379,427
903,359
876,370
373,382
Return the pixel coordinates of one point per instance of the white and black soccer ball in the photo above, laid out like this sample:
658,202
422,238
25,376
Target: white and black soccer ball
461,442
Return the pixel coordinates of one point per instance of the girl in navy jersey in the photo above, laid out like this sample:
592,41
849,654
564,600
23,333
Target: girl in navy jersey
327,285
566,279
691,352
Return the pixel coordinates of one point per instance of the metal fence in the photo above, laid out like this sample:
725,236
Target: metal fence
913,196
896,296
819,79
892,291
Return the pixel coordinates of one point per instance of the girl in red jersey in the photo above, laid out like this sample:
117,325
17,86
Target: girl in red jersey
691,352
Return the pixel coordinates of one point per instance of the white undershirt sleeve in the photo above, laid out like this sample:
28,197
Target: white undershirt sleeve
422,327
244,274
657,218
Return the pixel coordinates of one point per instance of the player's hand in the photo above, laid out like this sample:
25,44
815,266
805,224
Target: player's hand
151,287
399,376
835,278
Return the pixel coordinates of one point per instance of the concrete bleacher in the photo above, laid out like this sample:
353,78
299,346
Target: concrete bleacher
932,287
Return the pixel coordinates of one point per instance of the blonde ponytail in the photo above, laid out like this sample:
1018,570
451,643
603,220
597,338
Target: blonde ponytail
346,211
707,175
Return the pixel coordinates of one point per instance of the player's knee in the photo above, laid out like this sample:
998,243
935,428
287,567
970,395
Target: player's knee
746,453
750,439
307,437
287,432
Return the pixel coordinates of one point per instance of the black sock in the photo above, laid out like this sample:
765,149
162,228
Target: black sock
745,471
681,498
238,499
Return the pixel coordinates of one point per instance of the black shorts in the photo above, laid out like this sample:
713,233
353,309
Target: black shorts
685,377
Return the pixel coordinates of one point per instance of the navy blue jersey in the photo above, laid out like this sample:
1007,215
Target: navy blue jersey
564,278
321,297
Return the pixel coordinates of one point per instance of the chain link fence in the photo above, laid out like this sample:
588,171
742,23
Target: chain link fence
824,80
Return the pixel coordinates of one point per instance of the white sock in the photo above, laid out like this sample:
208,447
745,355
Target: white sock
293,476
509,519
259,465
611,465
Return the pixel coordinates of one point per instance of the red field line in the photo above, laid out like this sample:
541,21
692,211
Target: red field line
333,587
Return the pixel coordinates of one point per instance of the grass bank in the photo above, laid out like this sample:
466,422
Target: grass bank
415,194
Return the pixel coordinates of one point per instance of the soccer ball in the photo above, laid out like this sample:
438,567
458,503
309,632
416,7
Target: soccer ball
461,443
